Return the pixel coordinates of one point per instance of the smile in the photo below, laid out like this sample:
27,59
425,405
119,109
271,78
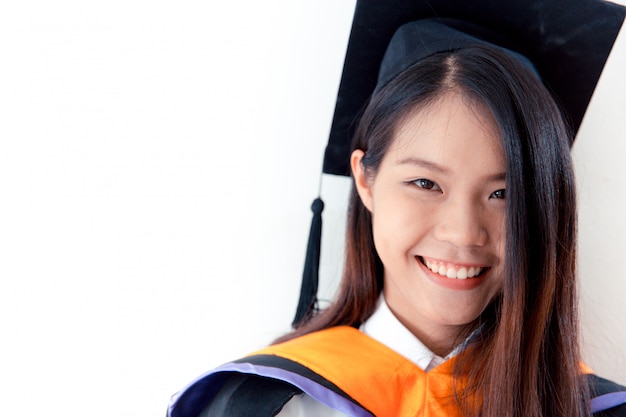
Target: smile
452,271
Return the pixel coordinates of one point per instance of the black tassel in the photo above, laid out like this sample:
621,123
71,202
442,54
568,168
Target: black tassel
310,275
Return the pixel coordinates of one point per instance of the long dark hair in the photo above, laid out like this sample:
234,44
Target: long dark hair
526,361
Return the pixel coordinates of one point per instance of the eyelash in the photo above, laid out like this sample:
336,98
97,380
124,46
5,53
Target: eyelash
426,184
499,194
429,185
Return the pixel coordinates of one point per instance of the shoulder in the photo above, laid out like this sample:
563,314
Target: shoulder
235,389
608,397
262,383
247,395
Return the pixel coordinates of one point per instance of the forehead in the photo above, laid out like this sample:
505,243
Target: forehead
452,124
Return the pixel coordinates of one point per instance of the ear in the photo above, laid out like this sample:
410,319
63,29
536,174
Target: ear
361,179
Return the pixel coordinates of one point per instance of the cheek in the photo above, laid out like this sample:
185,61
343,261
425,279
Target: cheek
499,233
493,220
387,236
396,229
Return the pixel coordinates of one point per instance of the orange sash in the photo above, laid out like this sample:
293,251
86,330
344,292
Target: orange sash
381,380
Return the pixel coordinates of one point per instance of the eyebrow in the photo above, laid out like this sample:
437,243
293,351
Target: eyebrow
432,166
424,164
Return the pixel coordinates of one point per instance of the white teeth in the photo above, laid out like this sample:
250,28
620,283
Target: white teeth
453,272
461,273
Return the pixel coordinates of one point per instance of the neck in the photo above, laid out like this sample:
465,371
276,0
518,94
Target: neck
439,339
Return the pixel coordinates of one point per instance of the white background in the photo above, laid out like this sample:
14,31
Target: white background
157,164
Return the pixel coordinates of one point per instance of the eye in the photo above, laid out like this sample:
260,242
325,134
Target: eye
498,194
427,184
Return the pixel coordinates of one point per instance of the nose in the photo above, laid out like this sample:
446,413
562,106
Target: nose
463,224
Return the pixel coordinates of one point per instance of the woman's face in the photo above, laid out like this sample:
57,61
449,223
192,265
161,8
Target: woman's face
438,211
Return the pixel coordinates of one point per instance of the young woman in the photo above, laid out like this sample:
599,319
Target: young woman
459,288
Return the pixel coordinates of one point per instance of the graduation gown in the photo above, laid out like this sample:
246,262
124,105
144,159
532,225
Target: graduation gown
344,369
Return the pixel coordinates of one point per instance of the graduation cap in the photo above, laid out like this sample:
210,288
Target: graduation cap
566,41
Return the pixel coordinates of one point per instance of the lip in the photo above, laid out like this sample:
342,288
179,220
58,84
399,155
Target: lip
451,283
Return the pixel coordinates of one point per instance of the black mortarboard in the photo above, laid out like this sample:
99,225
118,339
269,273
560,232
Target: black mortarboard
567,42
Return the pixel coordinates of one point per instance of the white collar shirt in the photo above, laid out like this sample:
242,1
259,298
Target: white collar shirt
385,327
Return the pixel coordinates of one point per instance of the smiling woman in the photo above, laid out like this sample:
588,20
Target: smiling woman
458,295
444,124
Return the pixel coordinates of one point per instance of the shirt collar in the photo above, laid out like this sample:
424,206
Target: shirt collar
384,327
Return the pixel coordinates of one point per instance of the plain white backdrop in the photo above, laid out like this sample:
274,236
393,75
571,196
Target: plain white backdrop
157,165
